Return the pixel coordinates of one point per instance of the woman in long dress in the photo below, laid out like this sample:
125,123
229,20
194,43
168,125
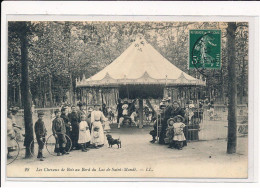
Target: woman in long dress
10,135
96,117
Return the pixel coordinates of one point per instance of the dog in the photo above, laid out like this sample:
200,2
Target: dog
112,141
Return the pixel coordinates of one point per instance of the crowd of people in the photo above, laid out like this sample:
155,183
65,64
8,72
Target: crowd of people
171,126
85,128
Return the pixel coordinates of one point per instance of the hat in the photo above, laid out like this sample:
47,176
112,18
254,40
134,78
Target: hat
176,102
191,106
63,109
79,104
164,100
90,109
56,111
170,119
40,113
178,116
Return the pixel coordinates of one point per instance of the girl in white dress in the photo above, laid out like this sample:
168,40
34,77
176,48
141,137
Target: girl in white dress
179,137
84,134
96,118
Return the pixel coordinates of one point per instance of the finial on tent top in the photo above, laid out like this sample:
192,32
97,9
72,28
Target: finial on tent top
140,42
139,37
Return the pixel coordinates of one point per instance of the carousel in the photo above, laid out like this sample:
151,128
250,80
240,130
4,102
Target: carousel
140,72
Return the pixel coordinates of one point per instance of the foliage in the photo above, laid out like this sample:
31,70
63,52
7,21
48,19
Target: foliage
60,52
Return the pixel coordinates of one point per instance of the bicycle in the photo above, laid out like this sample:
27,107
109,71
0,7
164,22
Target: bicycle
13,152
49,144
51,141
34,147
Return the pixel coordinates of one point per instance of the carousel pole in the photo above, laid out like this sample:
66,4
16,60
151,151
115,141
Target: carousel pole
141,106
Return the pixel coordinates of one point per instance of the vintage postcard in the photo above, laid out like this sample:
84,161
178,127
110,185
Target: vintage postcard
119,98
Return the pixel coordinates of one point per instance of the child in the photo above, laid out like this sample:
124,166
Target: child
179,137
106,125
84,134
170,133
40,132
95,136
133,116
59,131
111,115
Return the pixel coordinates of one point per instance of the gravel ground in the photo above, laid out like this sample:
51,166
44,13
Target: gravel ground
138,157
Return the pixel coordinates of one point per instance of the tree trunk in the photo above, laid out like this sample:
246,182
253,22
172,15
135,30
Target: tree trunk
44,94
14,100
50,92
19,96
71,90
26,95
232,88
242,82
222,86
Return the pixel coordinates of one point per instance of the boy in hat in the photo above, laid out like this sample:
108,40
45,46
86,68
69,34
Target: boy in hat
59,131
40,132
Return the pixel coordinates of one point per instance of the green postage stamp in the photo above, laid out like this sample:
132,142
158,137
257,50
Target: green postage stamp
205,49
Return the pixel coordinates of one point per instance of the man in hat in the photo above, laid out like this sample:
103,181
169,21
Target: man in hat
166,115
40,132
74,120
65,117
119,110
81,111
59,131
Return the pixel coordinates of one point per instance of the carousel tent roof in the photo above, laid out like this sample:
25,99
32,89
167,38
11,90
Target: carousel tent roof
139,64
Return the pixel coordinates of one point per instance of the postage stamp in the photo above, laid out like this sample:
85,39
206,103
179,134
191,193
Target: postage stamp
205,49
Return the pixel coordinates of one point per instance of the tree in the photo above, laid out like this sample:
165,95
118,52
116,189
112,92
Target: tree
232,87
23,30
60,52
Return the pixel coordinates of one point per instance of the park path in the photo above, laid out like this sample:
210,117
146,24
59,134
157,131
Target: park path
201,158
